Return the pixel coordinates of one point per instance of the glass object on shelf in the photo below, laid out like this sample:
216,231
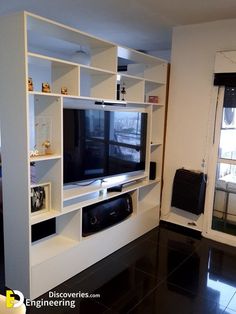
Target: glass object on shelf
47,147
34,153
43,135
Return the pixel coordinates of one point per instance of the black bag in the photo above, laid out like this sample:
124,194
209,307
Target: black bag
189,189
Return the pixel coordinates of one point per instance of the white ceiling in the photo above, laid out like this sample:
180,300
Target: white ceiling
140,24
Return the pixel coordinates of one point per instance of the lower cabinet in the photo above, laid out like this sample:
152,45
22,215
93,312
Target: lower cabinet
50,255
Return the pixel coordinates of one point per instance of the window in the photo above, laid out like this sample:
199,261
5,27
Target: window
224,212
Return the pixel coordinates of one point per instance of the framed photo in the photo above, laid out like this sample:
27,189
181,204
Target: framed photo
40,198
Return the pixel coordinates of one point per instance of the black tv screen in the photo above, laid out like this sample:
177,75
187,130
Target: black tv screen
99,143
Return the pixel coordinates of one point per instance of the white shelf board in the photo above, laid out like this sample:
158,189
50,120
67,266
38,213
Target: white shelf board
44,157
132,77
154,104
45,29
43,58
94,70
154,144
71,192
128,187
138,57
107,195
68,100
37,93
158,83
50,247
87,202
36,218
183,218
52,214
32,57
144,103
150,182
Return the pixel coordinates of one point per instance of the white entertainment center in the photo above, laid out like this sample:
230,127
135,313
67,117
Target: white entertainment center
45,51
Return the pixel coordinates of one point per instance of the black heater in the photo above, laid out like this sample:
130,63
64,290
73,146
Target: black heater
189,191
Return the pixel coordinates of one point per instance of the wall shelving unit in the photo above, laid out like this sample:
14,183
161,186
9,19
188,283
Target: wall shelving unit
51,52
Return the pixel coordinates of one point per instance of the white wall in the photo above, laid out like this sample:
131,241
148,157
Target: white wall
191,103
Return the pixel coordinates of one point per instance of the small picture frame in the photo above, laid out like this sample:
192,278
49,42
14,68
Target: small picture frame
153,99
40,197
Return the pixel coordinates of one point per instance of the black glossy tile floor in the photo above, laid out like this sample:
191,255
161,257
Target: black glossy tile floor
166,271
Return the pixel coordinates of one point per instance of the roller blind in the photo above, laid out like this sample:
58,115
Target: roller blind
225,79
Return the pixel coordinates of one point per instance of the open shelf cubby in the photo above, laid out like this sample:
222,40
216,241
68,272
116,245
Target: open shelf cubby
56,73
67,232
147,197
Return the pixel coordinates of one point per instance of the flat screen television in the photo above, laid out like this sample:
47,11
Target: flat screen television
102,143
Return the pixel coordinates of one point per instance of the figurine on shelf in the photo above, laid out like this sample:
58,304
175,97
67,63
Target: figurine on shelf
46,144
64,91
123,91
30,84
46,88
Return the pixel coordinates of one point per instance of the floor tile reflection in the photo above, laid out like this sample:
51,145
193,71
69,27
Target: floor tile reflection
208,271
232,305
167,299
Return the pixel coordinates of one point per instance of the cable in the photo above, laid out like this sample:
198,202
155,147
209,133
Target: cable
87,184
